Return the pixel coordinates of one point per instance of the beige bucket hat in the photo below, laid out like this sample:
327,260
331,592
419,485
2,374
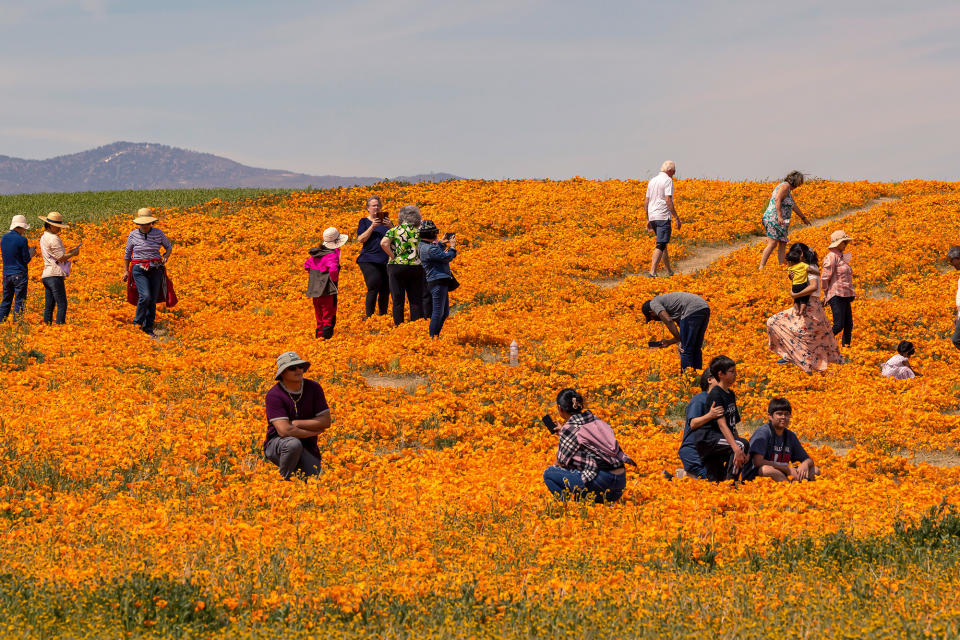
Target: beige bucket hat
288,359
19,222
838,237
333,239
145,216
55,219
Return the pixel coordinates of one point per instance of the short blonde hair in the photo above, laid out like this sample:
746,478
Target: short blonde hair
668,165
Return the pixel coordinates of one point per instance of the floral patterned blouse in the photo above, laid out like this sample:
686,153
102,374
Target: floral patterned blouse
403,242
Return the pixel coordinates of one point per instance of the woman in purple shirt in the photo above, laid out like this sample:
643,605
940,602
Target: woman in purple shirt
143,261
373,259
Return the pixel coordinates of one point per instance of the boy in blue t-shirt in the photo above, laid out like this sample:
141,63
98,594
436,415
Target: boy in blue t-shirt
773,447
698,415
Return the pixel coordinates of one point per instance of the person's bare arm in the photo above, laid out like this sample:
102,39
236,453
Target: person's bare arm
739,457
797,211
671,327
363,237
809,289
300,428
806,470
711,415
385,245
317,424
673,211
759,462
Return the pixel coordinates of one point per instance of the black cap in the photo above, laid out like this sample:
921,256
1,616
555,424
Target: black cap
428,226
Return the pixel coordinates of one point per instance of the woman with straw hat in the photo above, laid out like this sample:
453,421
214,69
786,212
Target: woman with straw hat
837,279
142,261
56,267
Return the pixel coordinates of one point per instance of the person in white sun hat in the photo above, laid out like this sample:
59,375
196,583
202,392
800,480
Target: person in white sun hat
323,269
16,253
56,267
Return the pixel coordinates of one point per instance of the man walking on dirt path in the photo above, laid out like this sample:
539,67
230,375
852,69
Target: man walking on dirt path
953,255
659,207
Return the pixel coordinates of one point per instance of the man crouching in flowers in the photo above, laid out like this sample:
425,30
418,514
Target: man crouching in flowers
297,412
590,462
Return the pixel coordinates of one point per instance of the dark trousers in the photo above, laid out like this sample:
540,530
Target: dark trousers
691,461
440,305
693,328
427,298
378,287
567,484
15,293
842,317
55,295
149,283
406,281
956,334
325,313
290,456
717,459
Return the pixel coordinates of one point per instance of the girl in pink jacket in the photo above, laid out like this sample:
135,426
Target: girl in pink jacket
323,269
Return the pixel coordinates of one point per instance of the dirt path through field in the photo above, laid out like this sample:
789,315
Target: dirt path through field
702,256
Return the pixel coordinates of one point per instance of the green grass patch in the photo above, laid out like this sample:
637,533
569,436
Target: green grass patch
95,206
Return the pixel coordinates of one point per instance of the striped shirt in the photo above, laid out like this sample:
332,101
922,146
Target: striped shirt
146,246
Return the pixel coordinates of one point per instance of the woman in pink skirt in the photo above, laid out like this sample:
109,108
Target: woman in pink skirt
806,340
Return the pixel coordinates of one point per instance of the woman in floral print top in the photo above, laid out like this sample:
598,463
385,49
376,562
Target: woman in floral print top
403,268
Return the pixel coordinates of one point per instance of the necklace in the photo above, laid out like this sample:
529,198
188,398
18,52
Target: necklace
295,400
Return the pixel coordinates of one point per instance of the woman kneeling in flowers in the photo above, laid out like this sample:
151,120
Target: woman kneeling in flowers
590,462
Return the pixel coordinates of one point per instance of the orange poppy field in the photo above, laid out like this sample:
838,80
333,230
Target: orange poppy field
135,500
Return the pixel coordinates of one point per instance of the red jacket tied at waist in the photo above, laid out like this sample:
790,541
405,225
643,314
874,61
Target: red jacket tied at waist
167,294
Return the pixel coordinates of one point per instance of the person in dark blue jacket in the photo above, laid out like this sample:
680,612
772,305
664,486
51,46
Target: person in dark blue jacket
16,253
435,255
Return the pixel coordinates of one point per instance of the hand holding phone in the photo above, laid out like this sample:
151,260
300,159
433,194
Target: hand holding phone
549,423
656,344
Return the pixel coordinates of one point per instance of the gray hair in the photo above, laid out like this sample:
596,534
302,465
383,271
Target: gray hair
668,165
372,198
409,214
794,179
953,253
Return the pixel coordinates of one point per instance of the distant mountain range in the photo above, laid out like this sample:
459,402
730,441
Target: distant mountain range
141,165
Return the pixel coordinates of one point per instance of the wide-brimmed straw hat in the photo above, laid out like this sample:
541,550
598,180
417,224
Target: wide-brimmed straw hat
333,239
838,237
19,222
289,359
145,216
54,218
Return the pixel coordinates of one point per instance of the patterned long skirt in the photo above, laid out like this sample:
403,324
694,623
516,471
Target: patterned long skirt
806,340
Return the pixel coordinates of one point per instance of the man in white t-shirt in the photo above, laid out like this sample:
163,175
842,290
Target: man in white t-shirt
659,206
953,255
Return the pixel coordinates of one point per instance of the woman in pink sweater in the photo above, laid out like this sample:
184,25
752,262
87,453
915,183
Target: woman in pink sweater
323,269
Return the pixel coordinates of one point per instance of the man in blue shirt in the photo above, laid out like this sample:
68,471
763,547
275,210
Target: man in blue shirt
16,253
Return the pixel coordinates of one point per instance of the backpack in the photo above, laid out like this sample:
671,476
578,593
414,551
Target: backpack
598,438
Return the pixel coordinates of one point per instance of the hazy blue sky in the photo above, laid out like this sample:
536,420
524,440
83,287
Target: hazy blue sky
518,88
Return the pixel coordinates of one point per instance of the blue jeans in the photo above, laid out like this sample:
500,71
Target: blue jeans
568,483
14,291
440,297
691,461
692,329
54,296
149,283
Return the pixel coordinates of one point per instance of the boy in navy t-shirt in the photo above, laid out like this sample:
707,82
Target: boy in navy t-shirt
773,447
721,450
